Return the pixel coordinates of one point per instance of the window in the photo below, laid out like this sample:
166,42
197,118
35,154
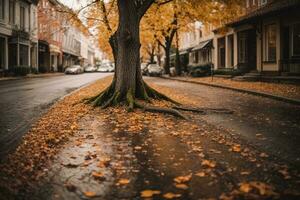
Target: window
11,11
23,55
271,42
195,57
22,17
296,39
247,4
2,9
200,33
2,53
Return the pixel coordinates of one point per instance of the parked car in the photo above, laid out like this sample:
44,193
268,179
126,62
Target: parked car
106,67
90,68
144,68
154,70
75,69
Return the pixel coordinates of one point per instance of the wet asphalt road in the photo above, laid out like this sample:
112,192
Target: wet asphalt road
277,122
23,101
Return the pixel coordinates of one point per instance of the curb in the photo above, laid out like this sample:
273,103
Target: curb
31,76
262,94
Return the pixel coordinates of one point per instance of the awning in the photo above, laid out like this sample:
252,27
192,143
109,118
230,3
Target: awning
54,49
202,45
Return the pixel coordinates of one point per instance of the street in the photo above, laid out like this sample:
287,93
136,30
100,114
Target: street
23,101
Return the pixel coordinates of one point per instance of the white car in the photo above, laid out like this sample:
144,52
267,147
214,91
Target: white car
75,69
90,68
154,70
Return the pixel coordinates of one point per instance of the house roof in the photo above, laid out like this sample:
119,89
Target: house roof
272,8
202,45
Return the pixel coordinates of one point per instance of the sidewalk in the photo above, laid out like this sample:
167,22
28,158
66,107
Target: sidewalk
284,92
31,76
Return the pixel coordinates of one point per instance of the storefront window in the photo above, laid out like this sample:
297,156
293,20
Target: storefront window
2,53
23,55
271,42
296,40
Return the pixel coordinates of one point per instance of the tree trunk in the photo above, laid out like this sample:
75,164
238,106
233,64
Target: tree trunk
177,59
167,59
127,84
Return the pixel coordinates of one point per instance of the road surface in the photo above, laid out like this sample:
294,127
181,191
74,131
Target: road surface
23,101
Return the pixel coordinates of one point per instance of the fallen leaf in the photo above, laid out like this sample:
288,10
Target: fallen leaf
200,174
137,148
181,186
149,193
98,175
89,194
236,148
208,163
183,179
245,187
171,195
123,181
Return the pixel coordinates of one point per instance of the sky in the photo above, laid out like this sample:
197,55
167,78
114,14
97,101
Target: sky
74,4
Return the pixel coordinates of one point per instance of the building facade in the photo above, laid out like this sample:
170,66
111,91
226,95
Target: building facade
272,28
266,40
18,34
51,32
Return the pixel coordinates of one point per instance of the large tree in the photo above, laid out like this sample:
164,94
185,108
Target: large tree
127,85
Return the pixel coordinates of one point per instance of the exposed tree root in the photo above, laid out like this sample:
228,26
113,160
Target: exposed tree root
110,97
173,112
204,110
157,95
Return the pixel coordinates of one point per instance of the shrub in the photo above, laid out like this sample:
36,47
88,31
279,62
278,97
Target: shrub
21,70
200,70
34,70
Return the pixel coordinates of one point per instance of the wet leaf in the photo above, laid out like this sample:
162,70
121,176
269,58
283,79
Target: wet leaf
149,193
236,148
89,194
183,179
171,195
181,186
98,176
208,163
200,174
123,181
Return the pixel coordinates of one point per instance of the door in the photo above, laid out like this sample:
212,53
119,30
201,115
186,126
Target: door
2,53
